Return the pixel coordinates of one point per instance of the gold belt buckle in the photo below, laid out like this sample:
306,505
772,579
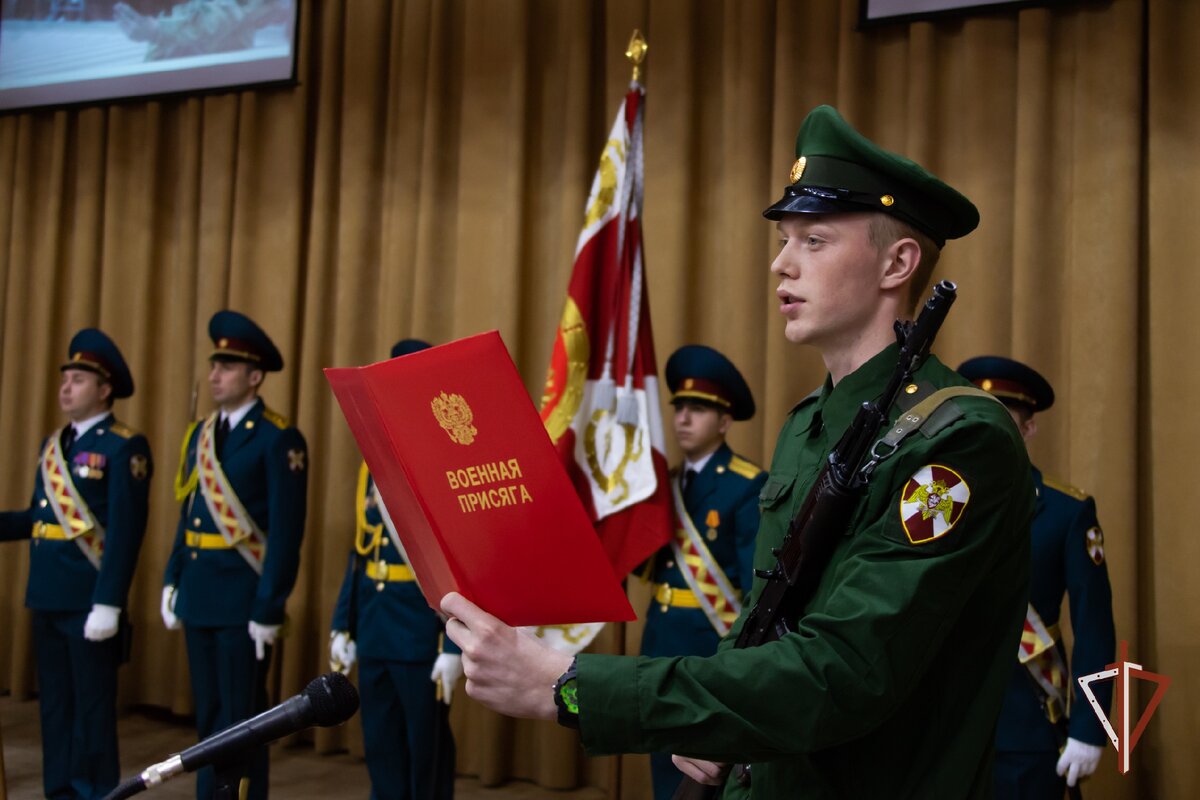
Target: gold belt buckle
39,530
665,594
381,574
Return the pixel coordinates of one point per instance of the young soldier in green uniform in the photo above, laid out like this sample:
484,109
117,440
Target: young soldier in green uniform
382,620
86,521
243,482
700,578
1068,558
891,681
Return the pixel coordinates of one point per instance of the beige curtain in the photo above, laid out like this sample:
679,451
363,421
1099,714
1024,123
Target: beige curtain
426,177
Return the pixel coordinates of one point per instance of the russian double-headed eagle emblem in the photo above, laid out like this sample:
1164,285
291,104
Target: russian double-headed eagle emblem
932,502
454,415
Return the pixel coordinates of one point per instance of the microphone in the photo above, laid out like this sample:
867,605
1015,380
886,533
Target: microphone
328,700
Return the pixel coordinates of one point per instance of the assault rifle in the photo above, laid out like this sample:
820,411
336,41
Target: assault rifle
825,514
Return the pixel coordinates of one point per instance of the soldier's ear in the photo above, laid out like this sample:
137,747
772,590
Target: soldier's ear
726,422
106,393
256,377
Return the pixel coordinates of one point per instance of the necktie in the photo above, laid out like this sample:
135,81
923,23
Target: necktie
68,438
222,435
689,475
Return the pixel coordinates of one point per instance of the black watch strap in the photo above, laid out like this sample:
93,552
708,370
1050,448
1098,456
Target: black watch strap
565,698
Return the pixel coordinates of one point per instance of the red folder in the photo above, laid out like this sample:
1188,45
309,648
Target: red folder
479,498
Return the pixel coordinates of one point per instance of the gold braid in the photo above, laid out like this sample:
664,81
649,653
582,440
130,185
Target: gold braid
363,528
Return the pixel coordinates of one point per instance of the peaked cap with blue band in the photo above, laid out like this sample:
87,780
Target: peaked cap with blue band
236,337
838,170
697,372
406,346
1009,380
93,351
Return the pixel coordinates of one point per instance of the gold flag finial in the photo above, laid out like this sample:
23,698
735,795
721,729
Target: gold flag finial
636,52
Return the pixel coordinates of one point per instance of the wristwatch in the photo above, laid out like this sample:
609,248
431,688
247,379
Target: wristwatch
565,699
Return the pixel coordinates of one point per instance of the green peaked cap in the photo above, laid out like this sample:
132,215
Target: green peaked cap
838,170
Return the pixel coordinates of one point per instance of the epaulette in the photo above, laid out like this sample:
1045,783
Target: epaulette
275,418
122,430
746,469
813,395
1065,488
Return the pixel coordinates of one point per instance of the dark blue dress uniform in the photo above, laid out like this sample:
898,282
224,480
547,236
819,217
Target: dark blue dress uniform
410,750
722,502
111,467
217,591
409,747
1068,558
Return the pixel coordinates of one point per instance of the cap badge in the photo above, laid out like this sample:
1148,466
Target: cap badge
689,383
986,384
798,169
223,343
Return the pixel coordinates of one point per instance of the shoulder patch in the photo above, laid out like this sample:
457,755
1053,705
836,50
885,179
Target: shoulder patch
122,430
275,418
1095,545
746,469
932,503
1065,488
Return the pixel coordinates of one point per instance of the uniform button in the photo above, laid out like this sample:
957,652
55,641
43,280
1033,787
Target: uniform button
379,586
194,554
670,565
44,503
196,522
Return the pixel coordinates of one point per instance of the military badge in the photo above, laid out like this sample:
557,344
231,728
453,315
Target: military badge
455,417
932,503
138,466
1095,545
296,460
90,465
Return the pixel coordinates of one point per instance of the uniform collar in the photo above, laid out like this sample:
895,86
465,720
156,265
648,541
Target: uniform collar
83,427
700,464
839,404
239,413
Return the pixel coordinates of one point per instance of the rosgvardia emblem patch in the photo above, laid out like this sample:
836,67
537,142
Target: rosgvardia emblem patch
932,503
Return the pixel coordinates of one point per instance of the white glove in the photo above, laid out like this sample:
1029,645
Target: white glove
1078,760
446,671
262,635
168,608
343,652
101,623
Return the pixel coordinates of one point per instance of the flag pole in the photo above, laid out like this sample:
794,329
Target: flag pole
636,53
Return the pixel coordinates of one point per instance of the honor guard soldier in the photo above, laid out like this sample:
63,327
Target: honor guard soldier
699,579
889,679
383,621
243,484
86,522
1037,746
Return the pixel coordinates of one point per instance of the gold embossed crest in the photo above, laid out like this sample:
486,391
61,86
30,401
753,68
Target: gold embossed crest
454,415
798,169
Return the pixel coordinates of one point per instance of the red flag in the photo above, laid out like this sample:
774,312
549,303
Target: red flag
601,403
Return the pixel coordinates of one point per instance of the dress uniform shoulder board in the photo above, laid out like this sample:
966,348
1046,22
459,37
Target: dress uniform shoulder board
275,418
742,467
1065,488
122,430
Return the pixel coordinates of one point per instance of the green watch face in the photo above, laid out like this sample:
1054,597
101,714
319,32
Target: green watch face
567,692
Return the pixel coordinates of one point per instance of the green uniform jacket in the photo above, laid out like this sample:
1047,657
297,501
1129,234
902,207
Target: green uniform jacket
891,684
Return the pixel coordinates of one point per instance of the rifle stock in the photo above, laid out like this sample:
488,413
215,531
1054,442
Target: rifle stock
824,516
